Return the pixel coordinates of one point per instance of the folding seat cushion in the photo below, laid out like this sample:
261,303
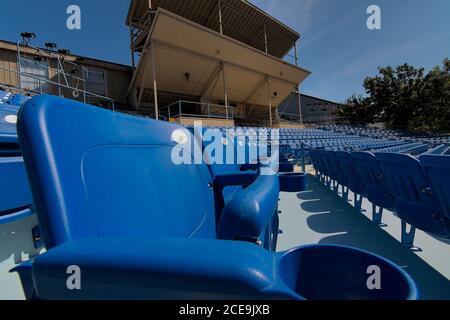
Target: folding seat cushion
413,193
371,175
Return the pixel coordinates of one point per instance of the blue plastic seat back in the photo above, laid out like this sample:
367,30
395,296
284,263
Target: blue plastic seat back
97,173
437,169
330,164
221,153
341,175
8,116
350,171
411,188
372,177
323,162
13,184
18,99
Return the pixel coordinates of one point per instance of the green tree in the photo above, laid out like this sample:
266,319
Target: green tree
404,98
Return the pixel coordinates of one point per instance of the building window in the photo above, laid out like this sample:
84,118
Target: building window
38,78
96,81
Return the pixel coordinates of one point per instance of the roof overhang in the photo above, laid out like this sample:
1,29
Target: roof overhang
181,46
241,20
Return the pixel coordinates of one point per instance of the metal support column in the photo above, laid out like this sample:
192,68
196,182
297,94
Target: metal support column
265,39
225,90
269,96
299,105
155,89
220,16
19,80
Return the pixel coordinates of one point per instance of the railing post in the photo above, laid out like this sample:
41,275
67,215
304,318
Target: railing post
84,84
19,68
303,157
179,109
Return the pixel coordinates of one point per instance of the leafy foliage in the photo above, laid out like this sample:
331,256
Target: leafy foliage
404,98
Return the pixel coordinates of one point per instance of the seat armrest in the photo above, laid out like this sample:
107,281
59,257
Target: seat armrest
157,269
251,166
250,211
242,178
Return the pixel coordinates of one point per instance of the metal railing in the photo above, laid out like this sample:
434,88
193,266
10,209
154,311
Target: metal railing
41,81
191,109
140,26
291,117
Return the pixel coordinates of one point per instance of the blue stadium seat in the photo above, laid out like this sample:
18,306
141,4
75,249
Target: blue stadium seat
377,191
353,179
230,180
413,194
111,201
15,195
437,169
18,99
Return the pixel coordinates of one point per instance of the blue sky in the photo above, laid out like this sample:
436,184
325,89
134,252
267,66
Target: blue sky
336,44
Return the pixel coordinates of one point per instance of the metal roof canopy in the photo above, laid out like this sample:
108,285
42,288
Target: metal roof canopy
241,20
182,47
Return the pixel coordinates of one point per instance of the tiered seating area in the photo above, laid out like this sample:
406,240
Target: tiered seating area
387,169
395,181
197,209
15,199
185,237
11,99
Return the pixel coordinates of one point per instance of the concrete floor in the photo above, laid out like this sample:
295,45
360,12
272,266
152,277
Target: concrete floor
318,215
321,216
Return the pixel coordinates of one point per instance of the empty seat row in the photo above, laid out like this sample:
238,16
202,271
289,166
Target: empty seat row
112,201
9,98
15,195
416,190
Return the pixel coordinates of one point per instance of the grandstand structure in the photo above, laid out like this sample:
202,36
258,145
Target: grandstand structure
220,60
199,203
242,67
